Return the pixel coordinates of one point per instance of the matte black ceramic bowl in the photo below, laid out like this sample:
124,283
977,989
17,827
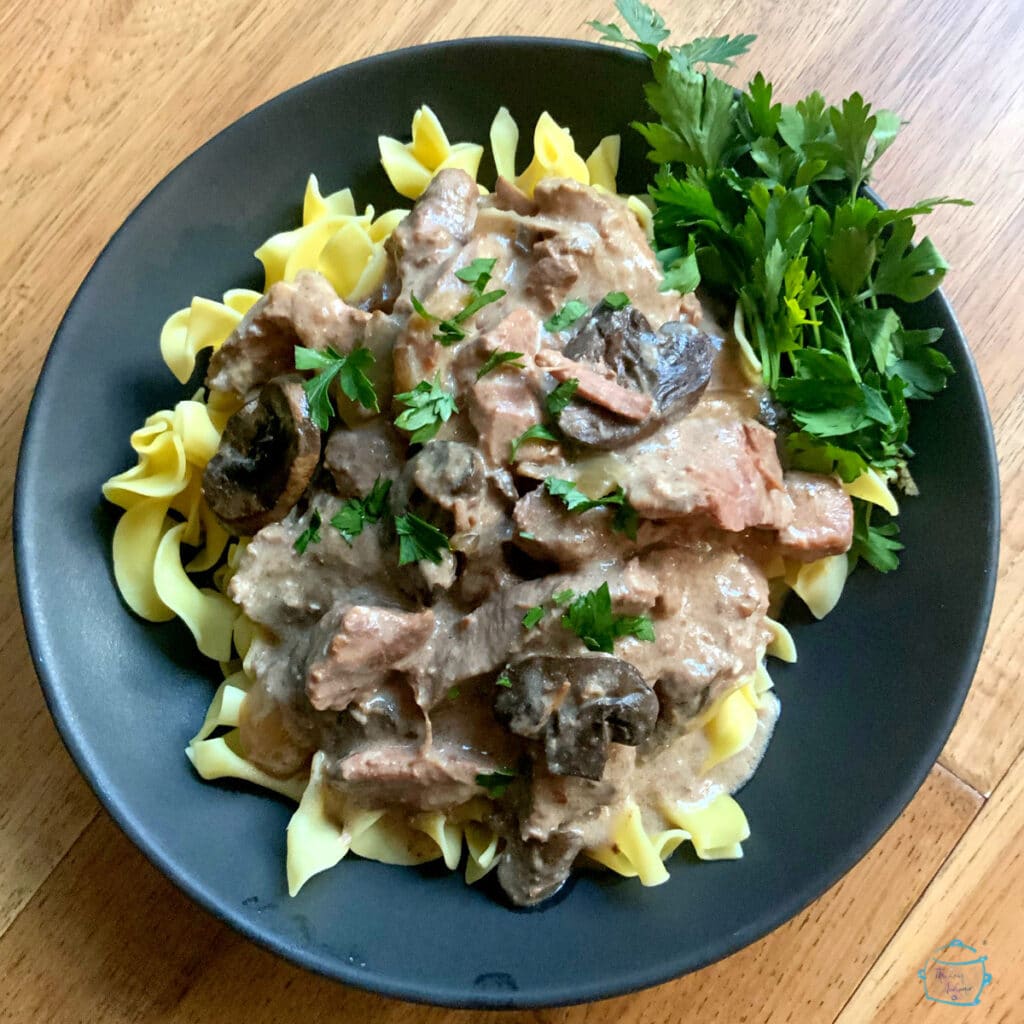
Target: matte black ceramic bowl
865,712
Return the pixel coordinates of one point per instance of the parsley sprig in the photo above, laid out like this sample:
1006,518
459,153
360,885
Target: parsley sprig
591,618
761,203
310,535
328,366
566,316
356,513
428,406
496,359
476,274
418,540
626,519
561,396
497,782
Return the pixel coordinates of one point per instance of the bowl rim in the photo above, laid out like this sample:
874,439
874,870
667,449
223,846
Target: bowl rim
568,992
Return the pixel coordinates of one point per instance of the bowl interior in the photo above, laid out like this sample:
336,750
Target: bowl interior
865,711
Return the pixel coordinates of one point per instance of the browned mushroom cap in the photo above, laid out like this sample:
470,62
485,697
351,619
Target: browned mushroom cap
577,706
267,455
672,367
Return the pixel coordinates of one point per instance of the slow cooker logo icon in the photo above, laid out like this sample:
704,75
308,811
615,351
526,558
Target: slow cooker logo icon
955,975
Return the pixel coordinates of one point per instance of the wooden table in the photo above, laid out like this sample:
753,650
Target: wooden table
102,99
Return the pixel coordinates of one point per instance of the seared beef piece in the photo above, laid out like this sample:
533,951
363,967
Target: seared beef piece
576,706
709,465
822,522
267,456
440,222
508,197
363,646
547,530
355,458
665,372
532,870
305,312
288,592
409,776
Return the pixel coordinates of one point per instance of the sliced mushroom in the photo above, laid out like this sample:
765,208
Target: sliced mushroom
576,706
448,473
267,456
532,870
669,369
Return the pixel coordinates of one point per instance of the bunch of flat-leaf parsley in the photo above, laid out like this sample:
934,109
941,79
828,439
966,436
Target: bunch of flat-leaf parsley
762,204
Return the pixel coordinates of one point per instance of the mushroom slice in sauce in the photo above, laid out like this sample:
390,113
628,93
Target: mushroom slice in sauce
267,456
631,378
576,706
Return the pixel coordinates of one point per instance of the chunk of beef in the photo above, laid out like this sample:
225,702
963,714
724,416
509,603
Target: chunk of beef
355,458
365,645
283,590
822,522
305,312
390,775
546,530
711,465
440,222
502,406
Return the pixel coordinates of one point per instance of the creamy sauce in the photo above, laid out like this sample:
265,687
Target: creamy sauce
394,671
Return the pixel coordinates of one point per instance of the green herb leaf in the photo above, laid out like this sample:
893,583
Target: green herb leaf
626,519
418,540
478,303
496,359
616,300
566,316
563,597
561,396
428,406
355,513
477,273
454,693
538,432
533,616
504,681
877,545
591,618
714,49
327,366
311,535
496,783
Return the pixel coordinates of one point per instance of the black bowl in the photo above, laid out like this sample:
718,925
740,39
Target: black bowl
865,712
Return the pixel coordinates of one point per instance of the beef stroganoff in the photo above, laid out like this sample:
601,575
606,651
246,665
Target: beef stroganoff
490,521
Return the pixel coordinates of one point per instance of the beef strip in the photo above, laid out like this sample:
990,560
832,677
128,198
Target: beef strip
305,312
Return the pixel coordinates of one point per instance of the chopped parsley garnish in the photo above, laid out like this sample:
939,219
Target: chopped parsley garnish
310,535
496,359
496,783
561,396
538,432
616,300
563,597
428,406
626,520
504,681
877,545
350,372
357,512
761,203
527,535
591,618
533,616
566,316
418,540
453,693
476,274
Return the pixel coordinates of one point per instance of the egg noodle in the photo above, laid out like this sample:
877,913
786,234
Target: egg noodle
168,540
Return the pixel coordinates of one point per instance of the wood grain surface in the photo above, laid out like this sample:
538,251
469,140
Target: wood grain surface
101,99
